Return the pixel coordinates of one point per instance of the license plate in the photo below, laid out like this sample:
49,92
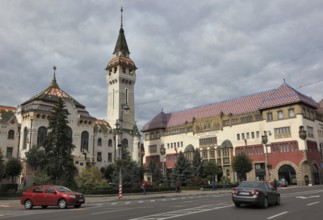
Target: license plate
81,200
244,193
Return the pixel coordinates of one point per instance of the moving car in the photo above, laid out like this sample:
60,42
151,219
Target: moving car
255,193
51,195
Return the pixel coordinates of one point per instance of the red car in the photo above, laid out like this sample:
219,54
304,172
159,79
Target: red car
51,195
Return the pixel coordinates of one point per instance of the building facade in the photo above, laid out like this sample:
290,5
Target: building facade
281,130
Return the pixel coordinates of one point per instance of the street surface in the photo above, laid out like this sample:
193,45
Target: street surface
297,203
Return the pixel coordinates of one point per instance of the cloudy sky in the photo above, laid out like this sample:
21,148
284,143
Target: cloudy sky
188,53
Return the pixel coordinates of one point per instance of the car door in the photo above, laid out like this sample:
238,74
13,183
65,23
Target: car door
50,196
270,193
38,195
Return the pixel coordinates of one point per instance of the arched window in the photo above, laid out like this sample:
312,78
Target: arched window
41,136
11,134
24,143
70,133
99,142
110,143
124,143
85,140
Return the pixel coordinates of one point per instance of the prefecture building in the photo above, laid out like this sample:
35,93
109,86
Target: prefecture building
281,130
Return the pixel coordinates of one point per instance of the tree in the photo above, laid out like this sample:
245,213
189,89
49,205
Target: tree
242,164
13,168
182,170
198,171
2,165
36,158
59,147
155,170
108,172
132,173
91,179
211,169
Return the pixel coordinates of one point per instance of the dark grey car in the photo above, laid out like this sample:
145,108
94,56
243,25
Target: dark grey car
255,193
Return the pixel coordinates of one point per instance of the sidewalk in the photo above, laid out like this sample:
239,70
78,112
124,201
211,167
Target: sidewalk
15,202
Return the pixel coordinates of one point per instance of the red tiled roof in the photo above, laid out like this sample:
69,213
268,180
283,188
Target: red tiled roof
7,108
284,95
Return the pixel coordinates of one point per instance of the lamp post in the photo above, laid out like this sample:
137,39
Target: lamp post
120,156
163,152
124,107
302,135
264,139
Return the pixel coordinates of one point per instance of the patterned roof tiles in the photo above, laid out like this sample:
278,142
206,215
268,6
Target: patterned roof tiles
52,94
284,95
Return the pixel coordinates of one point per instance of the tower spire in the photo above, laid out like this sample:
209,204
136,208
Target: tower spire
121,17
54,83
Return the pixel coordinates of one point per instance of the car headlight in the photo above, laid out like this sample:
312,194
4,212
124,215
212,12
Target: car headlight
72,196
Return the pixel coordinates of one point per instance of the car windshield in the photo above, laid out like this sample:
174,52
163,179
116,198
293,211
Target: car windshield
249,185
62,189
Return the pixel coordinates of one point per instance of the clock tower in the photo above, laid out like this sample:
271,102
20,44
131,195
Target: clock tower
121,79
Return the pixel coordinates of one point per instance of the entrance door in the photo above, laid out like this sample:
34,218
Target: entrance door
288,173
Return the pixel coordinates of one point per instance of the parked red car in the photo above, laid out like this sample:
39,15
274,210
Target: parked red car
51,195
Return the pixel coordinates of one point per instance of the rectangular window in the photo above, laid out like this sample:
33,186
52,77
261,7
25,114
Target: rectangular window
238,137
282,132
280,114
109,157
152,149
269,116
248,135
310,132
9,152
242,136
151,136
168,146
157,135
146,137
99,157
252,134
257,134
291,113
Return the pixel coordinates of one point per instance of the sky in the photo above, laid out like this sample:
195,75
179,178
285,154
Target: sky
188,53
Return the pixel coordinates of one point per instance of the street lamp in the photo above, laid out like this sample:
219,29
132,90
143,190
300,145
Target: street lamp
118,134
124,107
163,152
265,141
302,133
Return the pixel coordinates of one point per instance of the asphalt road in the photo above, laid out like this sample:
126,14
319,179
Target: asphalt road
297,203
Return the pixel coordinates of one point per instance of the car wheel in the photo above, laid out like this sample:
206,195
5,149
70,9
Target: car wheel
77,206
278,201
28,204
44,206
62,204
237,204
265,203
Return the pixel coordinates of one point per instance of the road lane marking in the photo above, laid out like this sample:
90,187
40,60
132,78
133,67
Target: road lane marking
313,203
308,197
179,213
274,216
113,210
